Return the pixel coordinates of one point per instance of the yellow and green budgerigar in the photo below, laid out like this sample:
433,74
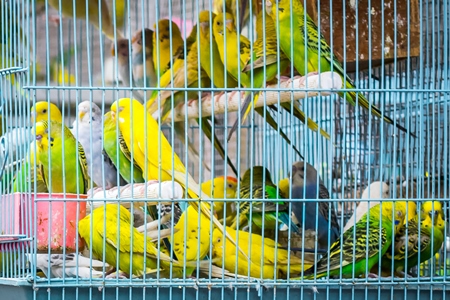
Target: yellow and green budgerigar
423,234
113,238
118,152
265,259
266,63
363,245
317,56
25,178
65,171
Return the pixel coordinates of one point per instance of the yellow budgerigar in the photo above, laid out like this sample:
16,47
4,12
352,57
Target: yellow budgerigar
153,153
116,241
265,258
166,35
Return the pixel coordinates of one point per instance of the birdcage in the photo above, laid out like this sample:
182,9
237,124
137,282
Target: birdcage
95,203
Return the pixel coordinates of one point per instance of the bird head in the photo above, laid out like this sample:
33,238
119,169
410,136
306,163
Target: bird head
432,213
164,27
217,243
303,174
88,111
222,21
41,131
124,107
376,190
123,50
141,37
284,8
44,110
204,21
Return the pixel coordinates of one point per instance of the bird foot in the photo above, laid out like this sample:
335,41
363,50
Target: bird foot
372,275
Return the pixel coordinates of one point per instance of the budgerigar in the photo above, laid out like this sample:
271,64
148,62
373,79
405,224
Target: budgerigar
430,222
153,153
261,187
376,190
24,180
221,188
264,259
118,152
167,45
363,245
306,184
144,74
317,53
88,129
62,172
113,223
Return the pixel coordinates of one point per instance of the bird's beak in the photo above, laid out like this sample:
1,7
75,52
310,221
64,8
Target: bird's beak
81,115
113,115
113,50
134,38
229,25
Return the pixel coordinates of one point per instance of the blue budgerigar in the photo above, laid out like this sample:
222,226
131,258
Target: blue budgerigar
306,184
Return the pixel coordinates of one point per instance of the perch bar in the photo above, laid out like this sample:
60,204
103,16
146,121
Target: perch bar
231,101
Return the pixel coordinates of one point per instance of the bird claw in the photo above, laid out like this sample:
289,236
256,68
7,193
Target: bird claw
372,275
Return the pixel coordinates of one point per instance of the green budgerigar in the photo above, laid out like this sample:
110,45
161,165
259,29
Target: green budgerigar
317,56
361,247
262,187
62,172
120,157
430,223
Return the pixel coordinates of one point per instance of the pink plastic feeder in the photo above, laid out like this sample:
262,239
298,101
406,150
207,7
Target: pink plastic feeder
56,220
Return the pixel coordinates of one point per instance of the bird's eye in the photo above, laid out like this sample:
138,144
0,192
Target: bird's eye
44,111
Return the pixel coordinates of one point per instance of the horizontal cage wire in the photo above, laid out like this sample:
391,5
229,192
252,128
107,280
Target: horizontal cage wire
218,149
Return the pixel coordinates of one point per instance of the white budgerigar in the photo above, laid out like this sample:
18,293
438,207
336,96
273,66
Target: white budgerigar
88,128
68,265
376,190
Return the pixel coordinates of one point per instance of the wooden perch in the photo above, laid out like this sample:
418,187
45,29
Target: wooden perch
231,101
